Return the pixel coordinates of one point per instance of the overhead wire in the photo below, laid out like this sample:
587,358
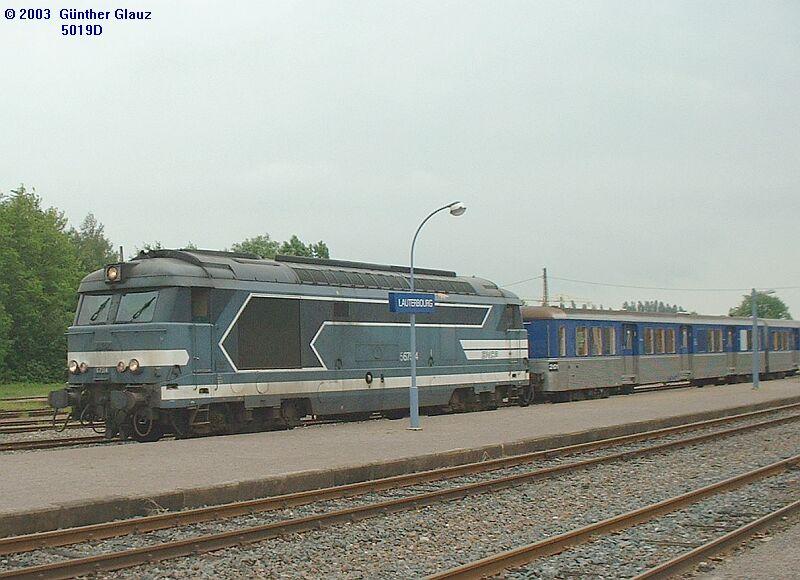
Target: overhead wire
639,287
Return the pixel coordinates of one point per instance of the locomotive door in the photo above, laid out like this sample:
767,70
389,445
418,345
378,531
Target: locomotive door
201,363
630,353
685,351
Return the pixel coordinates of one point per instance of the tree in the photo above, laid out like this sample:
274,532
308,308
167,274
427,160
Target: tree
767,306
41,270
262,246
93,248
147,247
265,247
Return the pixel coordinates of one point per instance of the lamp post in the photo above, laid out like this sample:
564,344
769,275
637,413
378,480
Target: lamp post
456,208
756,341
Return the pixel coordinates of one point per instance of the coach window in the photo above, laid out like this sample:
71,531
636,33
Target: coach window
671,340
720,345
581,341
648,341
660,341
597,341
628,339
744,340
685,338
200,302
712,341
562,341
610,341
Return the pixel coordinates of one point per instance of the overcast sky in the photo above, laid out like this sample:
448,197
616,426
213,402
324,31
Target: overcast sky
651,143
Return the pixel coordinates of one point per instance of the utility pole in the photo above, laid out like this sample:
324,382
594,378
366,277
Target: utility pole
545,299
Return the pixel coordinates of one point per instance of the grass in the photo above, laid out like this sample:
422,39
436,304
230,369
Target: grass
12,390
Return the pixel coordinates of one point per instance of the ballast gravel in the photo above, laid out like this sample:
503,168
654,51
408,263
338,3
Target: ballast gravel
419,542
629,552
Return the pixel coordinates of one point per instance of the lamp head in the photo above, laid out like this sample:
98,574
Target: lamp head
457,208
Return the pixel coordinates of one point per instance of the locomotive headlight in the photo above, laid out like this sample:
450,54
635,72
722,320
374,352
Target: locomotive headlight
112,273
134,366
73,367
121,367
83,367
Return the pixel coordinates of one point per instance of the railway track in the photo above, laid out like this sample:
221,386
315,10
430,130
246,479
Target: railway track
687,560
50,443
19,414
36,426
23,400
522,555
216,541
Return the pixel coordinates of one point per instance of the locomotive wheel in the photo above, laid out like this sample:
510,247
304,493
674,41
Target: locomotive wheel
145,428
525,396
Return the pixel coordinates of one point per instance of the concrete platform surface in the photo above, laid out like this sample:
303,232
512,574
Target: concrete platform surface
63,481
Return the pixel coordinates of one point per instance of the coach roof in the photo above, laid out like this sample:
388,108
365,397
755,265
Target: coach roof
551,312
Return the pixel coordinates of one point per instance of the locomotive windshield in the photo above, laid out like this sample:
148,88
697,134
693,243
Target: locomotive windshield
137,307
117,308
94,309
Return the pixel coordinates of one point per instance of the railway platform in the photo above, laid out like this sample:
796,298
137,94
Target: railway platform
64,487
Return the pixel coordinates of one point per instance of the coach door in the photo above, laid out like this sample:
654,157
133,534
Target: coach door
730,350
630,351
685,351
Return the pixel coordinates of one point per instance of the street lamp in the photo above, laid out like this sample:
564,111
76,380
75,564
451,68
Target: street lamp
755,341
456,208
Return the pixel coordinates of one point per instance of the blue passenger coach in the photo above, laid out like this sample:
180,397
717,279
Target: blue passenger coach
578,353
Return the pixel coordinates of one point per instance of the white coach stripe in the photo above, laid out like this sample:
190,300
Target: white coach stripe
146,358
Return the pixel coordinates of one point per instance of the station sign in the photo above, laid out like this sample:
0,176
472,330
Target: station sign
412,302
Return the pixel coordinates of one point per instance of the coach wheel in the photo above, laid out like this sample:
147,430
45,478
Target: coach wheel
525,396
145,427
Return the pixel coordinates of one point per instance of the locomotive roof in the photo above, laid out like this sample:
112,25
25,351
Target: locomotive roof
189,267
551,312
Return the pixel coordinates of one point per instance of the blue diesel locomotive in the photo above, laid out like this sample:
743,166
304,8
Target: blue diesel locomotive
193,342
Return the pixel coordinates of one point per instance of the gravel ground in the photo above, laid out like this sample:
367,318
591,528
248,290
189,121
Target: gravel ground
630,552
411,544
773,553
47,434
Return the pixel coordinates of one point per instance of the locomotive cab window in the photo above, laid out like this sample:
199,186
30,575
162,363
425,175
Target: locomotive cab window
201,312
